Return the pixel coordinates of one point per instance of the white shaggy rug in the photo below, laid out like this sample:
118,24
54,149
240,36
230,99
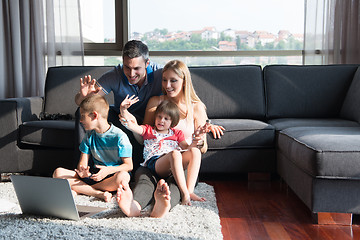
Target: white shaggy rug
199,221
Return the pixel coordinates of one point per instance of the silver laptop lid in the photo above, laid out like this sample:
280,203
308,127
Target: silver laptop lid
45,196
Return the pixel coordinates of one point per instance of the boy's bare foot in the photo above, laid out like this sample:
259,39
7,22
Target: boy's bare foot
162,200
195,197
125,200
106,196
74,193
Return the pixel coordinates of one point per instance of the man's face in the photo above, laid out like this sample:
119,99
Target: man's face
135,69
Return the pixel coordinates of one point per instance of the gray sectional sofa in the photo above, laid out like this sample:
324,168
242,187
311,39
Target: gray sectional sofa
301,122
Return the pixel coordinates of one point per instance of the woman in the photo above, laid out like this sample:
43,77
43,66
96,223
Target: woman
177,87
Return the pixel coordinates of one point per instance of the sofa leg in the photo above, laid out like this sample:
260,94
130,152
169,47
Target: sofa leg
328,218
257,176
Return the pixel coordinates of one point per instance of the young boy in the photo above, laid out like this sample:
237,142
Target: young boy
105,160
163,144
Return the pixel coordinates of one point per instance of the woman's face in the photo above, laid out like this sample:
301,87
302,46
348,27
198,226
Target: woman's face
172,83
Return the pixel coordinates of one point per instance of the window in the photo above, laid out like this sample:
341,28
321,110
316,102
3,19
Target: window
204,32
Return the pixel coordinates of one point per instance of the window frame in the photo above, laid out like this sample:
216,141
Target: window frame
122,36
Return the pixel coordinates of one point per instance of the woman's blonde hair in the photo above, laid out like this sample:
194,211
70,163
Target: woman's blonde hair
183,72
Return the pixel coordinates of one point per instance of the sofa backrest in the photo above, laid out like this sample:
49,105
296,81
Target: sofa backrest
63,83
351,106
306,91
230,91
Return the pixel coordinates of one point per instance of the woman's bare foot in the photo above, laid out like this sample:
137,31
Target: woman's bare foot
162,200
125,200
195,197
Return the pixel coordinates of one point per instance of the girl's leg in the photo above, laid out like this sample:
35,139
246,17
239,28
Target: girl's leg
192,162
173,162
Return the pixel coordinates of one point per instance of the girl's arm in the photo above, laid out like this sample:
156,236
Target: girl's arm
126,118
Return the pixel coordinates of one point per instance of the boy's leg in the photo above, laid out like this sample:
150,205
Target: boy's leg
112,183
79,186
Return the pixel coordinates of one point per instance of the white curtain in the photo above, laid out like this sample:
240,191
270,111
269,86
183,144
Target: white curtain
63,33
332,32
28,45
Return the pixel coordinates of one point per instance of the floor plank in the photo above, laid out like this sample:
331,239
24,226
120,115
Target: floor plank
270,210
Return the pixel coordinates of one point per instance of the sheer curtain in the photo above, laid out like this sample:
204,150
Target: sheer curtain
332,32
28,46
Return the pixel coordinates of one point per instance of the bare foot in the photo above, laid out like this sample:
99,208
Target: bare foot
162,200
106,196
195,197
74,193
125,200
185,200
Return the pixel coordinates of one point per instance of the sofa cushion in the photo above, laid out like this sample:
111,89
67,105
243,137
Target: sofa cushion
351,106
242,133
48,133
283,123
306,91
230,91
323,152
63,83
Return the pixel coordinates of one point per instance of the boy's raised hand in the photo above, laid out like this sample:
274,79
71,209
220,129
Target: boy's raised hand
83,171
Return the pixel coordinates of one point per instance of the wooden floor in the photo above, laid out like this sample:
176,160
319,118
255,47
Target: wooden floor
270,210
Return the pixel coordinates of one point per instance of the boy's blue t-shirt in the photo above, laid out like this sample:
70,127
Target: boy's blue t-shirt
107,148
116,81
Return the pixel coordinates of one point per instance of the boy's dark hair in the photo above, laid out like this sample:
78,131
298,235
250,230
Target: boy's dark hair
171,109
135,48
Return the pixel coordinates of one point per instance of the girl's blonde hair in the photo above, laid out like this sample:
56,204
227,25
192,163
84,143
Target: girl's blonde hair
183,72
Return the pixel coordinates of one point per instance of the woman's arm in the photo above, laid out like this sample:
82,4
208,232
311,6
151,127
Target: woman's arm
200,118
149,117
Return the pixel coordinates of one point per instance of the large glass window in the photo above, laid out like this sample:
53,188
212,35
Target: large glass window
98,21
212,25
200,32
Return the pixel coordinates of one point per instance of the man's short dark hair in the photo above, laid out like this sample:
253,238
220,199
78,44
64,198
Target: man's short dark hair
135,48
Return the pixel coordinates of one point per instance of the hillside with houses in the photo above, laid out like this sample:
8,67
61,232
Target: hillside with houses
210,39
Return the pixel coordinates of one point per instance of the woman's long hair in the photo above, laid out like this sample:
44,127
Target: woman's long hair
183,72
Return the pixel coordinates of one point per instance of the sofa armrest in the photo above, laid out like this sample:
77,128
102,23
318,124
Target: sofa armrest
21,110
13,112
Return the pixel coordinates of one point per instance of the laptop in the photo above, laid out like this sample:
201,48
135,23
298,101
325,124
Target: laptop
49,197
